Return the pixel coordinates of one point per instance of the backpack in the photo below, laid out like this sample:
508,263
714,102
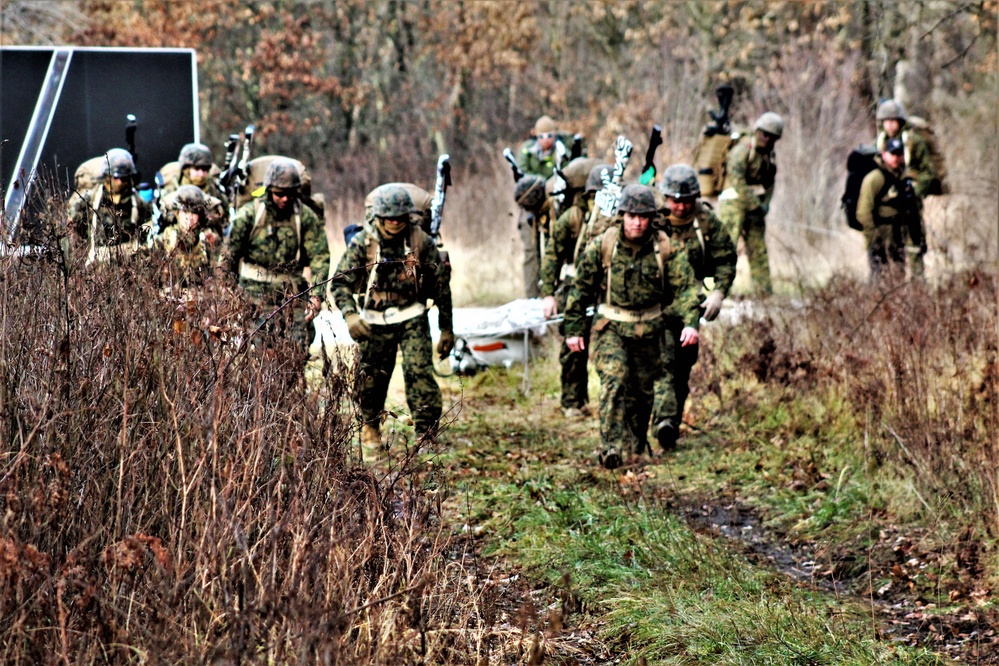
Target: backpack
710,157
923,128
859,163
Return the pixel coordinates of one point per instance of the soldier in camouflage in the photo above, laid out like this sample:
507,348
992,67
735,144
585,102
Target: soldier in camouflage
111,218
557,271
749,187
695,230
536,156
919,171
886,207
632,277
196,162
532,225
394,268
191,244
273,239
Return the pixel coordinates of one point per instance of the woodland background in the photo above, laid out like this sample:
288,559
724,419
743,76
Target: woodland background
371,92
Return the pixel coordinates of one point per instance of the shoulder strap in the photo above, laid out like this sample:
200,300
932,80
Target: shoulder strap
608,248
664,248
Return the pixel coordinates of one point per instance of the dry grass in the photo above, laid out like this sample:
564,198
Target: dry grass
160,502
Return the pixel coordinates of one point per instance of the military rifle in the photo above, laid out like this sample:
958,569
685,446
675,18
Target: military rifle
577,147
720,122
440,194
130,126
508,156
237,157
649,169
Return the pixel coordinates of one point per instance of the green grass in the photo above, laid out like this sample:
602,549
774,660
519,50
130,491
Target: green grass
607,543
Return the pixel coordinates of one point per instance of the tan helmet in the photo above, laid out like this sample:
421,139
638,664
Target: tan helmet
544,125
890,109
771,123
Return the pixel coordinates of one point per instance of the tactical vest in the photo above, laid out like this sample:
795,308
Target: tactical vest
101,253
608,248
373,254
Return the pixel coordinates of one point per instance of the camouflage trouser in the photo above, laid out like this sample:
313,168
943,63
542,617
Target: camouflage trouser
288,323
628,368
885,243
752,227
673,387
575,380
914,234
378,352
531,238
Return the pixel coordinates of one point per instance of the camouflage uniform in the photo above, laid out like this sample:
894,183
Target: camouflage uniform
711,253
268,249
745,201
408,271
557,269
193,252
627,354
218,210
532,225
111,228
919,168
885,208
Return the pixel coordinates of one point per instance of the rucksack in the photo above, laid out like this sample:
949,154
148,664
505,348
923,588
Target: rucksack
925,131
664,248
710,158
859,163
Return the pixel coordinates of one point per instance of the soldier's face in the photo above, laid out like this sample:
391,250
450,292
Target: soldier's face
891,126
636,225
198,174
188,220
120,185
893,161
393,226
682,208
765,140
283,199
546,140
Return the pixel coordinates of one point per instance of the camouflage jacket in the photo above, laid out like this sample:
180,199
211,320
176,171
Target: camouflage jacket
636,283
259,237
561,247
94,216
882,199
533,161
749,176
918,163
403,274
190,251
709,248
218,204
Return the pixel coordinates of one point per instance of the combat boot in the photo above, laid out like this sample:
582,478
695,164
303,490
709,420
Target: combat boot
610,458
371,443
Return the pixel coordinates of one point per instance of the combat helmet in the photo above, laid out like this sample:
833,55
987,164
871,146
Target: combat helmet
890,109
282,174
191,198
595,181
119,163
193,154
544,125
393,202
680,182
637,200
529,191
771,123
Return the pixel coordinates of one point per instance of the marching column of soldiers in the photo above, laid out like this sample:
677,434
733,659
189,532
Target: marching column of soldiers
629,271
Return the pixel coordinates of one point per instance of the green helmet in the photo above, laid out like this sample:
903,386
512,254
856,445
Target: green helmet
282,173
595,181
890,109
119,163
771,123
194,154
680,182
637,200
393,202
191,198
529,191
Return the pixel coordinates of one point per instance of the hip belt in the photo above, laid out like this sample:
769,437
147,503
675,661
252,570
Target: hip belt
256,273
393,315
615,313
